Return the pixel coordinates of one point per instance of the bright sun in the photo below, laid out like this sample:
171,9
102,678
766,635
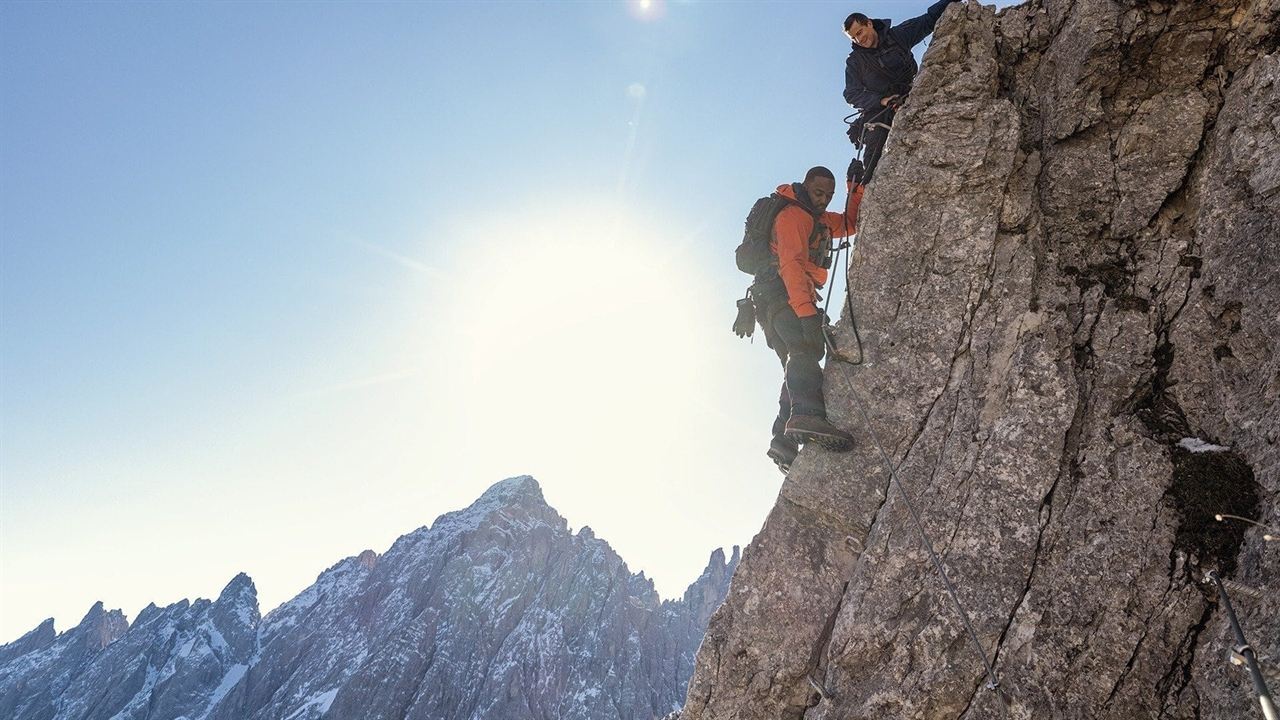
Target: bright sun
578,322
646,9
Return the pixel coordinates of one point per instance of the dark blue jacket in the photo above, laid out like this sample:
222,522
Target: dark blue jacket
888,68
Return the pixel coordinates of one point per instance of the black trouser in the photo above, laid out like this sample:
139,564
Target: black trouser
875,140
873,136
802,375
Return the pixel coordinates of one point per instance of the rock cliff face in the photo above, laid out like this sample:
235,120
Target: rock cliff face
1065,285
495,611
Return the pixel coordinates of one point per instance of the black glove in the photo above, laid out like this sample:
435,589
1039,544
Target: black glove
811,329
744,325
855,173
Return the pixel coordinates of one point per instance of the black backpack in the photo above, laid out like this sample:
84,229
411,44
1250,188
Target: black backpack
753,255
755,258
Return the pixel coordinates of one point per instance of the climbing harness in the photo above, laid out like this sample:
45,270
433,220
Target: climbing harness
859,122
1243,650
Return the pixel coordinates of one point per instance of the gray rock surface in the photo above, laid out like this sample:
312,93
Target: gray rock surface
1064,280
176,661
494,612
39,667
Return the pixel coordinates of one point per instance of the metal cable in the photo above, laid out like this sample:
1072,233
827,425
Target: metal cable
993,681
848,295
1246,652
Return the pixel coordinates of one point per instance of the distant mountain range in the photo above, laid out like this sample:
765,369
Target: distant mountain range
494,612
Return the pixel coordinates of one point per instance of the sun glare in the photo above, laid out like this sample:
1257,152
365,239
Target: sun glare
646,9
575,334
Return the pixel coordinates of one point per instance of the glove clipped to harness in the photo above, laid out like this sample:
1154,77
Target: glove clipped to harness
744,326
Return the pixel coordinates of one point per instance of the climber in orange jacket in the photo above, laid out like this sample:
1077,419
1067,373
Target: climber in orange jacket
787,307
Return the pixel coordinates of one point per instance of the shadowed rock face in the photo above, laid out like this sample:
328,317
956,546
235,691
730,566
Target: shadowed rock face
1066,268
496,611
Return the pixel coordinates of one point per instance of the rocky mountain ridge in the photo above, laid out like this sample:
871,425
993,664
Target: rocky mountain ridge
494,611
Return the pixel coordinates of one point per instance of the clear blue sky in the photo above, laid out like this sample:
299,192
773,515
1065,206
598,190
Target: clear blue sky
282,281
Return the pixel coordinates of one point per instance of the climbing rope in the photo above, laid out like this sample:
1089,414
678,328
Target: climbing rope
848,294
848,308
860,147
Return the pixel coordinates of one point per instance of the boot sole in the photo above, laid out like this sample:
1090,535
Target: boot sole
834,443
783,465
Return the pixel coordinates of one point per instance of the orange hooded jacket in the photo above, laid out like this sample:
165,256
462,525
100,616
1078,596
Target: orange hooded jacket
792,231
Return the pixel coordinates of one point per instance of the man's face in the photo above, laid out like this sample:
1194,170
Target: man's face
863,34
820,191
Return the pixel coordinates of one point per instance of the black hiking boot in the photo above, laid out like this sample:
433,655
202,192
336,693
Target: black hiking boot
811,428
783,451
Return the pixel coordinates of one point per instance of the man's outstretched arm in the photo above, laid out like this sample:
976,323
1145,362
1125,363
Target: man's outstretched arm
844,225
912,31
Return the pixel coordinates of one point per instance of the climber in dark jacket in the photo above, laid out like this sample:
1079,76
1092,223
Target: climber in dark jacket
878,75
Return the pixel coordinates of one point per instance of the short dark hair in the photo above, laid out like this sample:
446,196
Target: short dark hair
819,171
854,18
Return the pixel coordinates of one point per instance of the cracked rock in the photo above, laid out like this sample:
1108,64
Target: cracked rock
1065,267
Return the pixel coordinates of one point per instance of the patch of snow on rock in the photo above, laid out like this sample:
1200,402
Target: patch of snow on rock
1196,445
